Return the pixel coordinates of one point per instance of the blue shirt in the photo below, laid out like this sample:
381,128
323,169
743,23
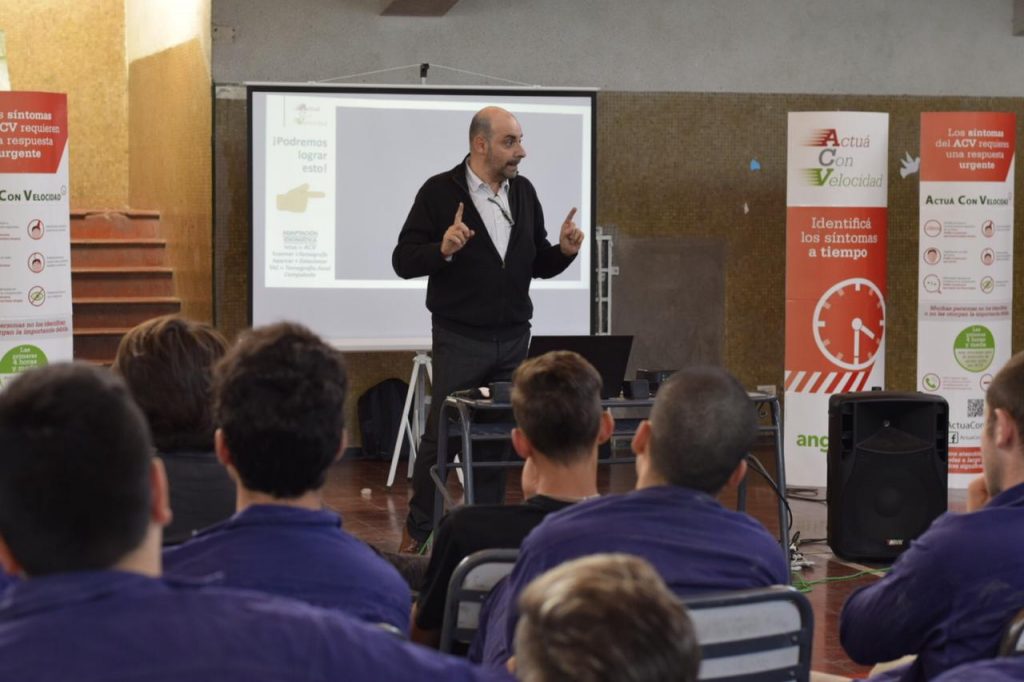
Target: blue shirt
948,598
696,545
1002,669
109,625
300,554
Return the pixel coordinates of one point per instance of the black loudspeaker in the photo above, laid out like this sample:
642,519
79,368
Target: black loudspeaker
887,464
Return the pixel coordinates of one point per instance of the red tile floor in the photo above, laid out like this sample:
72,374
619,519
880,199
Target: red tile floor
356,488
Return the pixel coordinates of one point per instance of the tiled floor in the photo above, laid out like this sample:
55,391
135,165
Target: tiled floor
375,514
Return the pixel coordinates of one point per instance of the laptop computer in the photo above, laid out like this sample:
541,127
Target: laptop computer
608,354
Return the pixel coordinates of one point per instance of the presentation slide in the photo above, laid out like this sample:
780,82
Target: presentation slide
335,171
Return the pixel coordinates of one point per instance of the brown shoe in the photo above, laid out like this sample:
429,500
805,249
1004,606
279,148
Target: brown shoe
409,544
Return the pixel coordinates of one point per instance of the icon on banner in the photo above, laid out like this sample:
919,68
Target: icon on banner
988,228
988,256
987,285
933,228
931,382
985,381
36,229
932,284
849,323
932,255
37,296
36,262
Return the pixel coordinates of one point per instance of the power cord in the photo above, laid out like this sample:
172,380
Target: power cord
808,585
756,465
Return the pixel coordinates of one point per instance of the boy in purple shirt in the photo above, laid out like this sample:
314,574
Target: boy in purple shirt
279,402
949,597
83,503
701,427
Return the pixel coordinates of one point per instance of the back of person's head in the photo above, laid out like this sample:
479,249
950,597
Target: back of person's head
75,458
167,363
604,618
703,424
556,401
1006,392
279,400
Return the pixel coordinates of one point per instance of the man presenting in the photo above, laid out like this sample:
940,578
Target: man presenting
477,231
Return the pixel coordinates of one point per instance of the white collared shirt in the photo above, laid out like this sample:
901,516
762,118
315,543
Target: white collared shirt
493,209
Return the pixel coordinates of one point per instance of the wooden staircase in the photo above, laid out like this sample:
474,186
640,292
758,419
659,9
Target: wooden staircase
119,278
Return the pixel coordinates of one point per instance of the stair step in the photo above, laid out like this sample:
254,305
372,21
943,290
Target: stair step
101,282
99,344
117,252
109,312
115,224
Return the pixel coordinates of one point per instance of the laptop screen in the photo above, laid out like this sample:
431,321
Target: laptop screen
608,354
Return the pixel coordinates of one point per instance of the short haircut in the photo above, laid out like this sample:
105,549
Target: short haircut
167,363
480,125
556,401
75,458
279,398
604,618
703,424
1006,392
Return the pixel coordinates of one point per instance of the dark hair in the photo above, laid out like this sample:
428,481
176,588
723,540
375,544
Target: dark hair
279,397
703,424
75,459
1006,392
556,401
167,363
604,618
480,125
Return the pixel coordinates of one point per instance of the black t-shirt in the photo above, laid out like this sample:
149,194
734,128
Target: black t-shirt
470,529
202,493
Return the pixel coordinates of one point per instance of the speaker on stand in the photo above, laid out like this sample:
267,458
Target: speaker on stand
887,471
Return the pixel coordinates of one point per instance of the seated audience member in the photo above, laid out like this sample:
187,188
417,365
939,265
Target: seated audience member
279,401
603,618
556,400
82,505
949,597
701,427
1000,669
167,363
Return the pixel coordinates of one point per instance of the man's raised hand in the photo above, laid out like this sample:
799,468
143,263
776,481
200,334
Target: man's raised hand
456,236
571,237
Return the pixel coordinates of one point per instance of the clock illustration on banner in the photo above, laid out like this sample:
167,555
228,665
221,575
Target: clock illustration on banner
849,322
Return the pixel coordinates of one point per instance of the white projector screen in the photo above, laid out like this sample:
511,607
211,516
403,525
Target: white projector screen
334,171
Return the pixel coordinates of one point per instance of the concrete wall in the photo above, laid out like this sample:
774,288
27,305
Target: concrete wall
78,48
922,47
137,76
168,44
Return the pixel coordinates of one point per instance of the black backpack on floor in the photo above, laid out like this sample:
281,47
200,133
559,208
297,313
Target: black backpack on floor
380,416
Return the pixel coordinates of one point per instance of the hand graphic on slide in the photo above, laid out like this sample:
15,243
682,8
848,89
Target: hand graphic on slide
296,199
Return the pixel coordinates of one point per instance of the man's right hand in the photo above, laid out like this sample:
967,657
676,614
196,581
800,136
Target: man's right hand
977,494
456,236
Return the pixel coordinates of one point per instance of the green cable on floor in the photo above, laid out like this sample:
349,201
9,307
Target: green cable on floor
807,585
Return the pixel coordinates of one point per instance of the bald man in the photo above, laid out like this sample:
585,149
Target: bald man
477,232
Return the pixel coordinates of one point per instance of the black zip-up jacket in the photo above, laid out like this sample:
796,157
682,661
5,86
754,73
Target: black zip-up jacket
475,294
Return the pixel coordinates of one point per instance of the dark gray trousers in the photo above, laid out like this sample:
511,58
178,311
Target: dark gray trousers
460,363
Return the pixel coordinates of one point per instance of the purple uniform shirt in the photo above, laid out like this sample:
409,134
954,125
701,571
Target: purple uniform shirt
300,554
948,598
107,625
696,545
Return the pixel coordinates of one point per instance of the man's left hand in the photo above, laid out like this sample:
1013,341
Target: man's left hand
571,236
